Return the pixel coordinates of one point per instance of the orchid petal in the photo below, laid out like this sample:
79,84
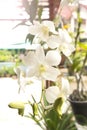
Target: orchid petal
40,53
53,57
50,26
52,42
52,94
51,74
65,106
64,35
34,29
29,58
68,49
65,86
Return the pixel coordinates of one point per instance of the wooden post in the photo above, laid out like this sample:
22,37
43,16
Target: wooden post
53,8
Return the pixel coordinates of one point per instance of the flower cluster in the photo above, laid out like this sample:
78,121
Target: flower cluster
44,63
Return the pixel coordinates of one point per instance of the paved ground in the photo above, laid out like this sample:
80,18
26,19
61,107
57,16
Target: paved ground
9,118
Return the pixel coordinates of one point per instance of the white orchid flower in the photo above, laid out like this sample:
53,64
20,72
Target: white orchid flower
53,41
40,66
54,92
61,42
42,30
28,59
67,47
21,72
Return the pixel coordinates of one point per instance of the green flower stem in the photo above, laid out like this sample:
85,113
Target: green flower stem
78,28
80,74
43,88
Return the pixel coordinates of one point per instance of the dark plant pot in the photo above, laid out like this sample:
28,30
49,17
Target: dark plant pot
79,109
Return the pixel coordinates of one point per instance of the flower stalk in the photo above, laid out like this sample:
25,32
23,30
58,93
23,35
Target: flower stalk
79,77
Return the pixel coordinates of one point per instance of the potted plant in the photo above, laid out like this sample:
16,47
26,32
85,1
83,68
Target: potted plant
78,98
44,65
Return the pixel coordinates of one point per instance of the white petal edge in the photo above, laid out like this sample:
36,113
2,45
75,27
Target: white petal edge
52,94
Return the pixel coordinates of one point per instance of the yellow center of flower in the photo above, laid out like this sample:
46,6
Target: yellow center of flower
45,30
42,68
62,48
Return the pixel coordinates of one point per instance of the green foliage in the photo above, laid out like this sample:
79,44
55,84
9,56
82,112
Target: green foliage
57,106
29,38
83,45
77,62
40,10
5,55
53,122
8,55
7,71
79,56
49,119
6,58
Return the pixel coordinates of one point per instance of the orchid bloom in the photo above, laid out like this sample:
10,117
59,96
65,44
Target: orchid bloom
40,65
61,91
62,43
42,30
54,92
23,80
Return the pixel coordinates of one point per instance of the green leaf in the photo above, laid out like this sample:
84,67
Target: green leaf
67,122
57,105
40,10
51,119
29,38
83,46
